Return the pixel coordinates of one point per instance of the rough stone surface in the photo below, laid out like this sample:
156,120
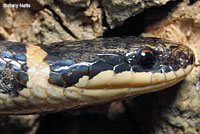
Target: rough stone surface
49,21
119,10
77,3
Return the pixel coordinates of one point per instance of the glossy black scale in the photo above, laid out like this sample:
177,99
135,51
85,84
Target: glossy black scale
56,79
72,75
7,54
20,57
61,66
13,76
98,67
22,78
122,67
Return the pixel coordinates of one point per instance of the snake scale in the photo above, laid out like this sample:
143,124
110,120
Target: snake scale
40,78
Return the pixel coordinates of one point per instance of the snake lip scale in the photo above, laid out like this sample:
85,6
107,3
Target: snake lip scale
36,78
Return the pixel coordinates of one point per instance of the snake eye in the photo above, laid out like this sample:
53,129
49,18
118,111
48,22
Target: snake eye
146,57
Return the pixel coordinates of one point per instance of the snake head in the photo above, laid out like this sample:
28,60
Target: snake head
147,65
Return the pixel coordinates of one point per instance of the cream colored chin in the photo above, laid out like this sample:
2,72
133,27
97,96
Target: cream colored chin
115,93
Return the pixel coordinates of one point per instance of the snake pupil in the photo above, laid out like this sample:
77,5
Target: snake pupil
146,58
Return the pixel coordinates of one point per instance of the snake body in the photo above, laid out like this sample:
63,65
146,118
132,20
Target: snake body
40,78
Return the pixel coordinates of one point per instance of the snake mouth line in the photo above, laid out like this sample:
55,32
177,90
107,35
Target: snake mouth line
110,80
94,93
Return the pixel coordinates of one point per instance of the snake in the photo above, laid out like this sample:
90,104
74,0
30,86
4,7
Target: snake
39,78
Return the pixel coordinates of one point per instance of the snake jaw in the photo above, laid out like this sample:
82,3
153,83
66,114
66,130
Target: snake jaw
103,94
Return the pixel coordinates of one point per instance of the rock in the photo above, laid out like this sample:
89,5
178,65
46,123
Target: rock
117,11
